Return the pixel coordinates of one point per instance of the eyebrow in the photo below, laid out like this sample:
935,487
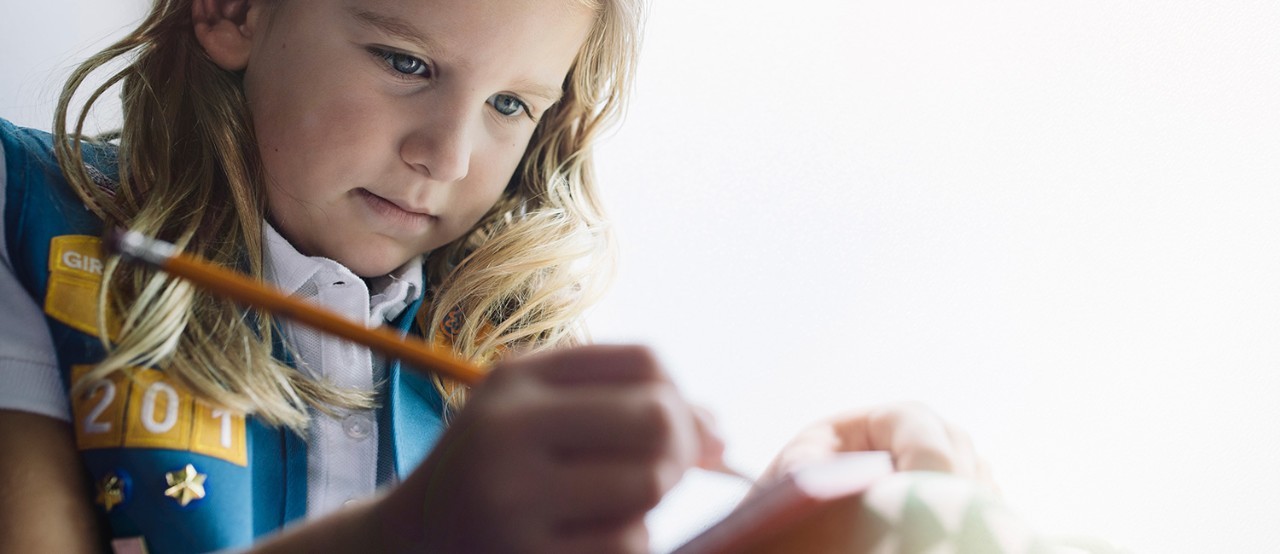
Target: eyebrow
550,94
393,26
403,30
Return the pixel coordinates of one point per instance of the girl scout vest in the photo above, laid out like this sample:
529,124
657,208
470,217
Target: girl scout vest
169,471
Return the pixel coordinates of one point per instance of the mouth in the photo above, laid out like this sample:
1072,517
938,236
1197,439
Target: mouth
394,211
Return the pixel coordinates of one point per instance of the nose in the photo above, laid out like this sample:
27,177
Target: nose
440,145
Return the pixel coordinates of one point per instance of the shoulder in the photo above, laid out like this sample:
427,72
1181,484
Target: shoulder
29,158
38,203
20,140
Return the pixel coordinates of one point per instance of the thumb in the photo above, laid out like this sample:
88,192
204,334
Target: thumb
711,453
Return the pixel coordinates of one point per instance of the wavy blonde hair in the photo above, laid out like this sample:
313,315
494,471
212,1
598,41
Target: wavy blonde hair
521,279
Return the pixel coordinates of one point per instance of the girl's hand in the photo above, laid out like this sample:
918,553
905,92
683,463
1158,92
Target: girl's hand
913,434
560,452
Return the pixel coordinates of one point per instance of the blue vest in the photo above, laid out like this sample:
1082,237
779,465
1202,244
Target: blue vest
167,468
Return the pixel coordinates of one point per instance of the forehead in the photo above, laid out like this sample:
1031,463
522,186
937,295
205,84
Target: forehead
533,41
457,27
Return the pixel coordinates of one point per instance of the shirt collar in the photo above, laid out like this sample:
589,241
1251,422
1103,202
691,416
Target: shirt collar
392,293
290,270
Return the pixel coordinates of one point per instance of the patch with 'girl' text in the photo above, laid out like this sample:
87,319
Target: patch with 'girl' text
75,277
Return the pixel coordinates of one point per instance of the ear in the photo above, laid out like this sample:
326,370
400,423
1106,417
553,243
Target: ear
225,29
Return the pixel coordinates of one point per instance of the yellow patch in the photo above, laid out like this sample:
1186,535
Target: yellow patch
75,276
147,409
99,413
77,255
219,433
158,416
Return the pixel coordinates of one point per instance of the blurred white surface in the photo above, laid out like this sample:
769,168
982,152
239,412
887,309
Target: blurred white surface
1054,222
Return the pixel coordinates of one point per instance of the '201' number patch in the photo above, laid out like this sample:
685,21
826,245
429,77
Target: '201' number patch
142,408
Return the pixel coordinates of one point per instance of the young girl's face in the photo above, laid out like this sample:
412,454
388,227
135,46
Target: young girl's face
389,127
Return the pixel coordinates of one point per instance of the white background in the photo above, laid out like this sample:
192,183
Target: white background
1055,222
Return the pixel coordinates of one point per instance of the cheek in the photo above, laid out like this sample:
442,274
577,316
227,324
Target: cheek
318,134
312,119
478,203
499,169
487,187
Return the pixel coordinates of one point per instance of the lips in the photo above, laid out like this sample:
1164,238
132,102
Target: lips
395,203
394,212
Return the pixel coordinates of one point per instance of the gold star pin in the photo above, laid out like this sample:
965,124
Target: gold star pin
185,485
110,491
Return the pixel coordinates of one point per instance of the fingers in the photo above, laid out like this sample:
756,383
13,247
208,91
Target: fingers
986,477
917,438
920,440
560,452
605,423
968,463
712,444
591,365
606,492
964,460
626,536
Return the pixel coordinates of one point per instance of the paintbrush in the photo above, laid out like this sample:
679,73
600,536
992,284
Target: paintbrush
134,246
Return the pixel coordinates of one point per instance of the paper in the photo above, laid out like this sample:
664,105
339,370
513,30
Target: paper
790,500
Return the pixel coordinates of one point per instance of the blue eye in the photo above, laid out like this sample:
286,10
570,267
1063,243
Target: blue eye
403,64
507,105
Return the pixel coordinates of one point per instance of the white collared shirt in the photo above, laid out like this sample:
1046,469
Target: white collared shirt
342,451
29,376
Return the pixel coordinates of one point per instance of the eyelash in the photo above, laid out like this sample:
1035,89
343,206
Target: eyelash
389,58
520,103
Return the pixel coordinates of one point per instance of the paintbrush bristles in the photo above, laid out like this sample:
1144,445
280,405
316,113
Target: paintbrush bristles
132,245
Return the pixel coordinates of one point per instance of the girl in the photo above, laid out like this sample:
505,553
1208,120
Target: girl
424,164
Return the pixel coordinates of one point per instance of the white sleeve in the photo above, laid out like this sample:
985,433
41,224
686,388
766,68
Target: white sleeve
29,377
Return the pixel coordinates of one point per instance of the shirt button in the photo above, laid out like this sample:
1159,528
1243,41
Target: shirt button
357,426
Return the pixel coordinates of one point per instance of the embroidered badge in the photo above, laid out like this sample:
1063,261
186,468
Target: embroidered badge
185,485
111,491
451,325
129,545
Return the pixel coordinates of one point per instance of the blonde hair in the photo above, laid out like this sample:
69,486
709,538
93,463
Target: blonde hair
190,173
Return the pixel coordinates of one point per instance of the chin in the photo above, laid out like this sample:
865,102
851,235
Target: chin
370,263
